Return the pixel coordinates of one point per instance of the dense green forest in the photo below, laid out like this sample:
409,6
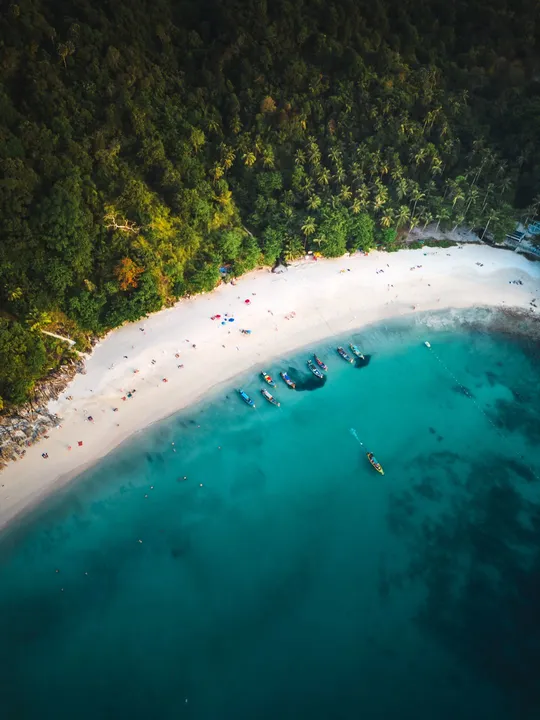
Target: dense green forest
146,143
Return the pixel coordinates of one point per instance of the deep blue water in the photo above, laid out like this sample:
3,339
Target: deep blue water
284,578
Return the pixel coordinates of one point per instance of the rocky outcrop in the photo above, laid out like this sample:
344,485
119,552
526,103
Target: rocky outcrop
23,426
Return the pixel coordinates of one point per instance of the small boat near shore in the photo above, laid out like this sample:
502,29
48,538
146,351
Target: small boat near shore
271,399
268,379
245,397
356,351
320,363
374,463
315,370
344,355
287,380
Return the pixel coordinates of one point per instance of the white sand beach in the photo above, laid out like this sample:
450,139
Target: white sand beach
194,353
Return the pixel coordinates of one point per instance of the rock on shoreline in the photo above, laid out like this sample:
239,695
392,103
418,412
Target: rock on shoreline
23,426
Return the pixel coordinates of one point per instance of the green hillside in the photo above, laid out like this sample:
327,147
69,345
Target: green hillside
147,143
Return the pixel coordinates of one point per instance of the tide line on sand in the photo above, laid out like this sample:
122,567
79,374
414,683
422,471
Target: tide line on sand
169,360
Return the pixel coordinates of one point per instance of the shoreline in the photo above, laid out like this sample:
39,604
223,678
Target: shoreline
327,297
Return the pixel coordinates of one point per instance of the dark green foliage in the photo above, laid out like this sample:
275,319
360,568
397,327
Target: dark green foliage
169,138
23,360
361,232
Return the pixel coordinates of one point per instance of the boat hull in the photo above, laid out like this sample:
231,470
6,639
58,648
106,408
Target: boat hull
245,397
270,398
320,363
287,380
356,351
314,370
374,464
341,352
268,379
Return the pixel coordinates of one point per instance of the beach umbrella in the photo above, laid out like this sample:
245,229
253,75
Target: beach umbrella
231,319
248,302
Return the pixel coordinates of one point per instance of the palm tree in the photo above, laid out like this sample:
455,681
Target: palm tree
396,173
436,166
381,195
416,195
335,155
363,195
323,176
249,158
459,220
473,197
217,172
308,185
356,206
386,220
300,157
402,216
227,156
489,191
308,228
413,222
345,192
268,156
457,193
340,173
402,188
314,153
419,156
314,202
505,185
427,217
442,214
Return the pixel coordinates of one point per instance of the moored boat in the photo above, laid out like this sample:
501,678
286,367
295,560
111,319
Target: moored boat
245,397
320,363
315,370
344,355
271,399
288,380
356,351
374,463
268,379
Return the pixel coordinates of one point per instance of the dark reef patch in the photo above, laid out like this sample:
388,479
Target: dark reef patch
511,417
462,390
478,558
426,488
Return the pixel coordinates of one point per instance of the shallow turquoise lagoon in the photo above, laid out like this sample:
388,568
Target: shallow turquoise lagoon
278,575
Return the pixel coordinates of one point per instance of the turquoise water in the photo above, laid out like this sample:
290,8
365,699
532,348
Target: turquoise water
283,577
